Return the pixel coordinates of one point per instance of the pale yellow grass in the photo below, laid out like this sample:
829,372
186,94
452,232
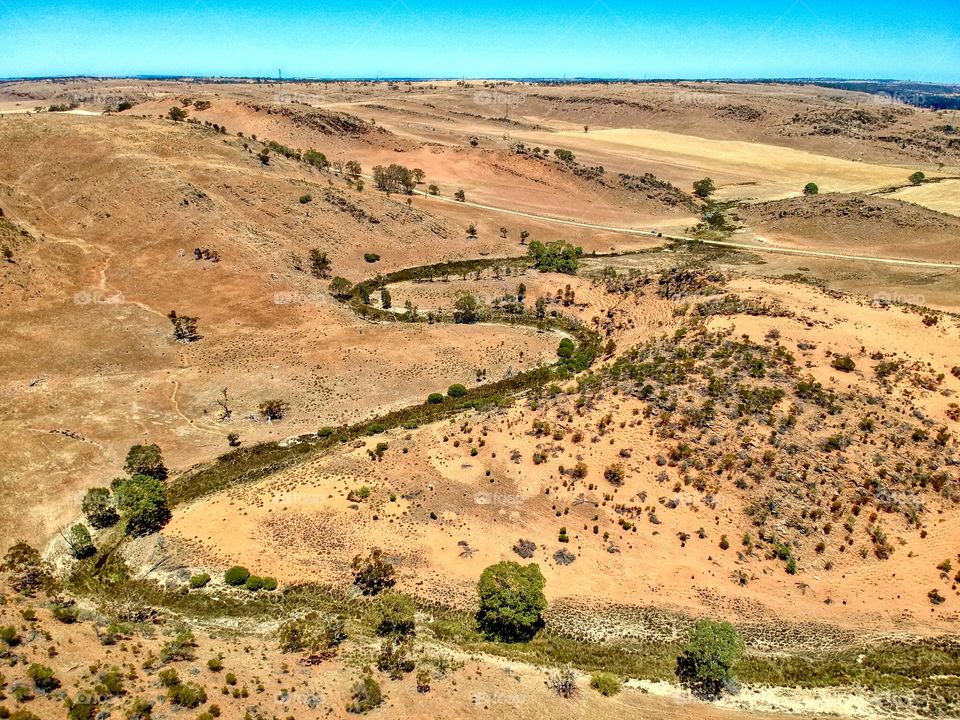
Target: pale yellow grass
943,196
777,172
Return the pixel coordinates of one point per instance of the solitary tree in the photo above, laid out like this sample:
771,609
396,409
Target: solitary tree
511,601
460,196
704,188
177,114
811,189
705,665
917,178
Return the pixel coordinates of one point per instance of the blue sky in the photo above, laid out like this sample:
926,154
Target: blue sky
918,40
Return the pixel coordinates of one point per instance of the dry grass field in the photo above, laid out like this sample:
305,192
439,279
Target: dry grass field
671,430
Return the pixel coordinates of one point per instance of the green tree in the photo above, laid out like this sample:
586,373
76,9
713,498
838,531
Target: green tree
541,308
460,196
341,288
511,601
177,114
385,300
706,663
466,309
28,571
393,614
145,460
317,159
556,256
457,390
704,188
811,189
142,502
564,155
918,178
98,508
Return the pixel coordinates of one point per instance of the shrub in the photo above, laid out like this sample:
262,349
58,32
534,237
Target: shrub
180,648
98,508
706,662
843,363
566,348
199,581
319,264
254,583
511,600
394,658
325,432
269,584
145,460
341,288
314,633
236,576
917,178
188,695
142,501
273,409
315,158
371,257
110,682
9,636
457,390
304,199
811,189
83,707
177,114
215,664
140,709
65,613
366,695
605,683
435,398
393,614
372,574
79,540
28,572
43,677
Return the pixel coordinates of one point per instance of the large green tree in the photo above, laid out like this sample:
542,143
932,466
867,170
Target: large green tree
556,256
146,460
142,502
706,663
511,601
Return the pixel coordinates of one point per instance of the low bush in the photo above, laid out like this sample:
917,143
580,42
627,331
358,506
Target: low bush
237,575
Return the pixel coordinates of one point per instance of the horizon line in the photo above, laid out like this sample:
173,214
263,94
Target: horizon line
438,78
